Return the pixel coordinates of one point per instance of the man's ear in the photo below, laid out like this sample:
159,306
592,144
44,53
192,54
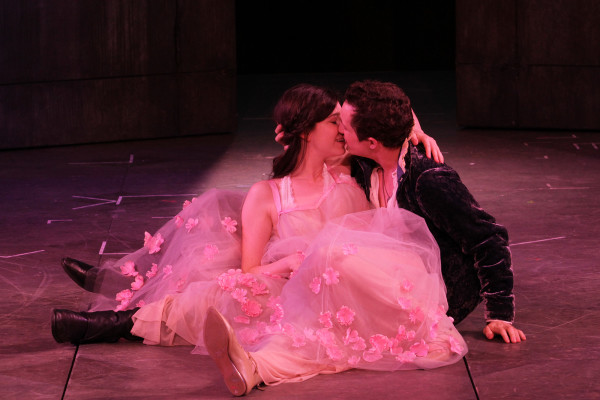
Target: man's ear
373,143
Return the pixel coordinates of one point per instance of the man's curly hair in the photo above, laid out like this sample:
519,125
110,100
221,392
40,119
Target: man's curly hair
383,112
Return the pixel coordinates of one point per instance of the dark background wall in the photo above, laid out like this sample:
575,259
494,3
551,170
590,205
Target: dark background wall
352,35
76,71
528,63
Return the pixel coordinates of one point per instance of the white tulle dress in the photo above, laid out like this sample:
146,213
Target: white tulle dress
369,293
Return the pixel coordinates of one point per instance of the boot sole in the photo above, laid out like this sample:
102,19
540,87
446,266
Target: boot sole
216,340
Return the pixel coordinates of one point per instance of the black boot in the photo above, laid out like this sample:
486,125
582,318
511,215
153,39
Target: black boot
81,273
92,327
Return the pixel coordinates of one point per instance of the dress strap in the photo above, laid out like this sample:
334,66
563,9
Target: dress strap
276,196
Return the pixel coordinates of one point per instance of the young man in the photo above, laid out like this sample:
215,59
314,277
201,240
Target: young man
376,120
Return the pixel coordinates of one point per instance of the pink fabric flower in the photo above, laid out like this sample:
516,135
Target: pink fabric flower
124,295
239,294
191,224
228,280
359,345
325,336
186,203
179,285
210,251
151,273
395,347
325,319
128,269
380,342
178,221
350,337
310,334
251,308
334,352
167,270
349,249
123,305
331,276
406,357
273,302
290,331
246,280
420,348
137,283
277,314
259,288
407,285
345,316
403,334
455,345
229,224
353,361
242,319
372,355
152,243
140,303
315,285
416,315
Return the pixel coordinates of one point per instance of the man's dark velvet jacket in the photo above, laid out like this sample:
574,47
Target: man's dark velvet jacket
476,260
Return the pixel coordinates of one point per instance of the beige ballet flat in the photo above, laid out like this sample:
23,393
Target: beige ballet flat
237,367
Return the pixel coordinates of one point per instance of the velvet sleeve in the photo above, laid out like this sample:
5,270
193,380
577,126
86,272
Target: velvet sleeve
446,201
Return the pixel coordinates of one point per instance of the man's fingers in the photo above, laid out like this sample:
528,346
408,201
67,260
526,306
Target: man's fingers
522,335
504,335
488,333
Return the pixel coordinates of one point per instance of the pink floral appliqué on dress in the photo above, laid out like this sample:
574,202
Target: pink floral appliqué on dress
229,224
152,243
331,276
325,319
228,280
167,270
252,308
349,249
420,348
407,285
151,273
345,316
191,224
210,251
178,221
315,285
239,294
128,269
259,288
137,283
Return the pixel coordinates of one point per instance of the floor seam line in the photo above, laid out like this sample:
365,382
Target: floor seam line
70,372
471,378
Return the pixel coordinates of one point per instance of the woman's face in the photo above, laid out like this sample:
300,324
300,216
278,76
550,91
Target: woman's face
325,138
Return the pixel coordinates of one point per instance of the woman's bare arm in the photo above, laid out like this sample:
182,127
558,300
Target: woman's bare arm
259,217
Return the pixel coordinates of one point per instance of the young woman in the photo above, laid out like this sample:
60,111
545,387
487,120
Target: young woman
318,283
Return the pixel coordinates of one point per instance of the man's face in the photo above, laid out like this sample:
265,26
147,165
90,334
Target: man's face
353,144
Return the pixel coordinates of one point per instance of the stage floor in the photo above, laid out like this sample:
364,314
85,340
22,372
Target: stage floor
93,202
